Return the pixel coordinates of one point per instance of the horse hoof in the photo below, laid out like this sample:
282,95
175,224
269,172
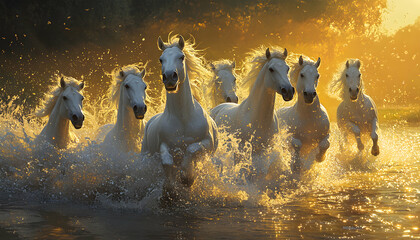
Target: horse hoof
360,146
375,150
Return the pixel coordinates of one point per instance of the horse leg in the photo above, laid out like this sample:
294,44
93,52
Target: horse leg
374,136
323,147
356,131
168,167
187,165
296,164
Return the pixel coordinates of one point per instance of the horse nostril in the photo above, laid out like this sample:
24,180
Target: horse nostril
74,117
174,76
135,108
228,99
357,90
305,93
283,90
83,117
145,108
163,77
349,89
293,90
314,94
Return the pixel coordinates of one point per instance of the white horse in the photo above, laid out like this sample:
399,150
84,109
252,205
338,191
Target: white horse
129,93
254,119
307,120
184,131
222,86
63,105
357,113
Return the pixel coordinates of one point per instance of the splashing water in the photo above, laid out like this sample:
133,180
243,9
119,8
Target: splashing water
349,195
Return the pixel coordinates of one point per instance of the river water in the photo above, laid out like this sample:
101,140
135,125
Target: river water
88,192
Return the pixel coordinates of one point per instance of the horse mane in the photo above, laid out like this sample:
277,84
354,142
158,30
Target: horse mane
50,99
295,67
336,86
195,64
114,90
210,83
255,61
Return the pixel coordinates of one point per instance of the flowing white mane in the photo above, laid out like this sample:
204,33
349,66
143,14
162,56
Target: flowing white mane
336,86
223,64
195,64
48,102
114,90
255,61
295,67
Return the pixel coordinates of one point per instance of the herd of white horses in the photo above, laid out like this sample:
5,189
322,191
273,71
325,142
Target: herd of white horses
185,131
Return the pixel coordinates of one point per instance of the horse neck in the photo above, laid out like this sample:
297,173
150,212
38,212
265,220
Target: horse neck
260,102
57,127
127,124
180,103
305,108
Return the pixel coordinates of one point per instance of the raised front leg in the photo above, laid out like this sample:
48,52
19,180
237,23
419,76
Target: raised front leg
296,164
356,131
374,136
323,147
188,162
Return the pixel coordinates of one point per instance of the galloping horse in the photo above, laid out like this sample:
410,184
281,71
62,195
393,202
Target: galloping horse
254,119
222,86
184,131
63,105
357,113
307,120
129,93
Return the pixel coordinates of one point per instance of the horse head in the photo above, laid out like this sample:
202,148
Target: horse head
72,100
276,77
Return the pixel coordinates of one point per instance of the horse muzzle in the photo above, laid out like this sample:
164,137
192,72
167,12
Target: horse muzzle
309,97
287,93
77,121
139,111
171,81
354,94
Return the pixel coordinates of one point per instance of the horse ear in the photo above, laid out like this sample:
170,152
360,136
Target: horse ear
347,64
62,82
81,86
267,53
143,72
318,62
358,63
301,60
181,42
160,43
233,64
212,67
285,52
121,73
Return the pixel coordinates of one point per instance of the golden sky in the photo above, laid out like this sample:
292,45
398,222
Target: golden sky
400,13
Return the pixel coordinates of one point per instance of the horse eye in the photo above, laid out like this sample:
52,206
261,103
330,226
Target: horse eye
126,86
301,75
271,70
347,75
64,98
160,60
182,57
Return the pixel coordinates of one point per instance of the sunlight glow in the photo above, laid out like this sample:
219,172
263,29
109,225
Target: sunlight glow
399,14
